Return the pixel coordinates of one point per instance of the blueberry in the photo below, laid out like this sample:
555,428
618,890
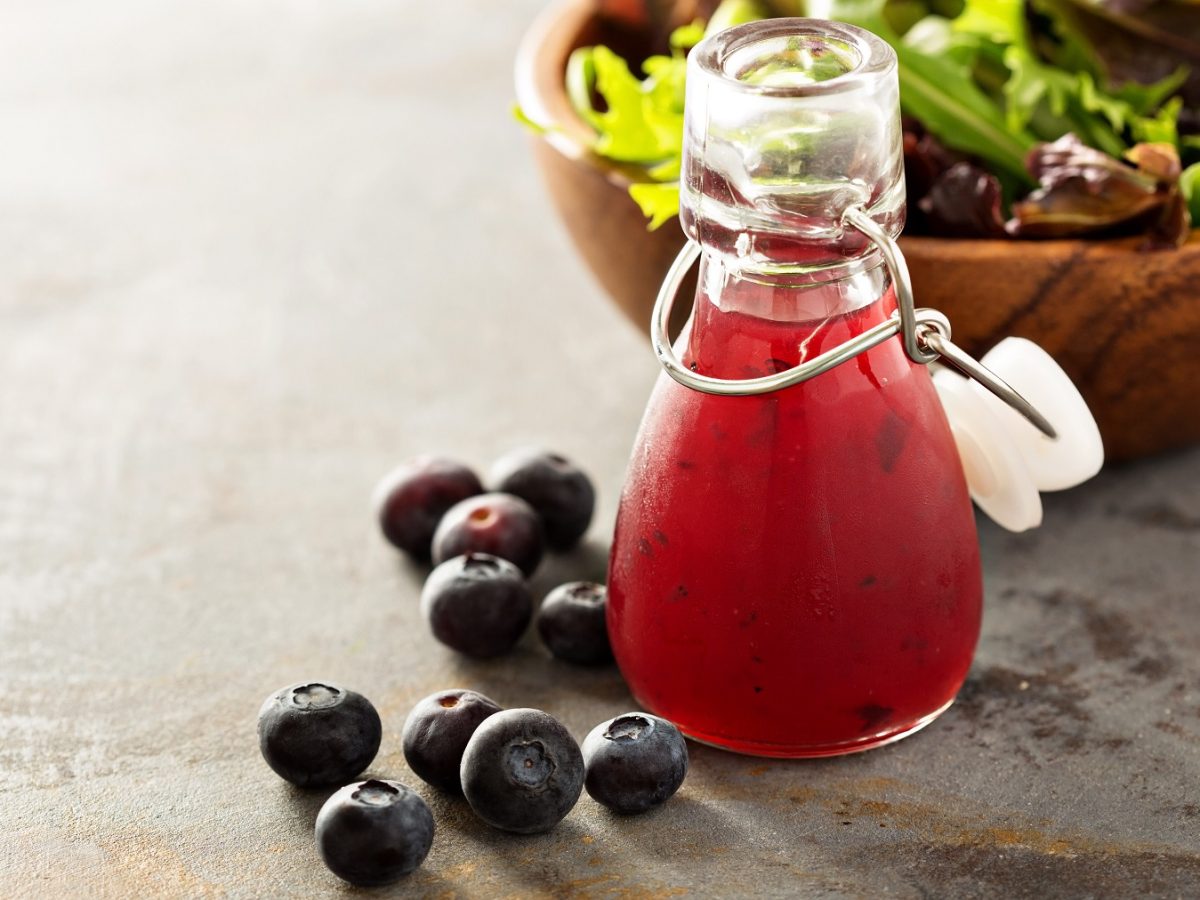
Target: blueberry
522,771
499,524
436,734
477,604
562,495
634,762
374,832
571,623
411,500
317,734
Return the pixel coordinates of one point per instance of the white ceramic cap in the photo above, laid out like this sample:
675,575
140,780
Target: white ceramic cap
1078,453
997,476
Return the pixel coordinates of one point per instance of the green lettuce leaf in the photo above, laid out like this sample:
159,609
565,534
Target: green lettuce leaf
1162,127
940,91
659,202
1189,184
643,122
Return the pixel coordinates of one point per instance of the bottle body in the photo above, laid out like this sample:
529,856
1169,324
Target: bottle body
796,573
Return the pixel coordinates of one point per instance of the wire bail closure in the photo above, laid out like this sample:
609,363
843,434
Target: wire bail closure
925,334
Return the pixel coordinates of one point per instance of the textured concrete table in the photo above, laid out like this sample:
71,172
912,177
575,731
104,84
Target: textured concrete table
252,254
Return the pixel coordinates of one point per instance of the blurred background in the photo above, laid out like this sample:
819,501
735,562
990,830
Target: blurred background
252,254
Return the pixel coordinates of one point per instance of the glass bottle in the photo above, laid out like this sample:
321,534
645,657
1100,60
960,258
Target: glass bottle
794,573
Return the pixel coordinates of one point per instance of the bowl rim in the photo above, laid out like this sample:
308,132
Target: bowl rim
542,97
538,76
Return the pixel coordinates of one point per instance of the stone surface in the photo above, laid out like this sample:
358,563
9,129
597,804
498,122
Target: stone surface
251,255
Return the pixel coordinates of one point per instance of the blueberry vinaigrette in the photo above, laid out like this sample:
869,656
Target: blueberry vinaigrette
794,573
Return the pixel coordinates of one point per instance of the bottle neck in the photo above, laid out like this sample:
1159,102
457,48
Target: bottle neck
763,238
749,325
788,124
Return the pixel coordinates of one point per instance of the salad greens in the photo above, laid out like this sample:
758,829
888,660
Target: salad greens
643,119
987,84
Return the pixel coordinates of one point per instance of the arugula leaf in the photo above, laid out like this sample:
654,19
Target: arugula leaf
1145,98
1116,112
1029,87
1134,43
1162,128
940,91
942,95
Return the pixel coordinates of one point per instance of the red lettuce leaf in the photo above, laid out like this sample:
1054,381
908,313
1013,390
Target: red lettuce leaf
965,201
1083,191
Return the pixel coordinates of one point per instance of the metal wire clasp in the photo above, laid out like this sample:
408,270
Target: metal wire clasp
925,333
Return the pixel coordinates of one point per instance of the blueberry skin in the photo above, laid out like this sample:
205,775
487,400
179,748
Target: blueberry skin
318,734
634,762
436,734
498,524
411,500
374,832
477,604
558,490
522,771
571,623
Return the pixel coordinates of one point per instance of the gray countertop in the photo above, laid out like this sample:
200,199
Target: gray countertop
253,254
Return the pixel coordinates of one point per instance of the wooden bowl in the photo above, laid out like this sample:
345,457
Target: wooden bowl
1123,323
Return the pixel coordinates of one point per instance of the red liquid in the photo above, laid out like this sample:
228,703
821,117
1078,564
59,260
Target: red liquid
795,574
